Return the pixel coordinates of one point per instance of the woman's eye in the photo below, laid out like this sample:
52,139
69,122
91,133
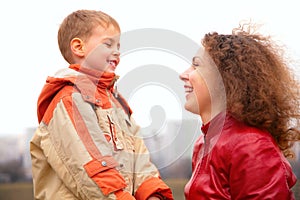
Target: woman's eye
195,65
196,62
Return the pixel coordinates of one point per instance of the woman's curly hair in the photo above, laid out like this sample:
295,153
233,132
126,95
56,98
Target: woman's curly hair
260,88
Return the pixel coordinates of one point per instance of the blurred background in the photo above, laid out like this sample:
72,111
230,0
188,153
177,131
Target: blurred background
30,53
173,161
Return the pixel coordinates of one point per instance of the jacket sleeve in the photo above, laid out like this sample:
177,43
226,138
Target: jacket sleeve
71,146
147,179
258,170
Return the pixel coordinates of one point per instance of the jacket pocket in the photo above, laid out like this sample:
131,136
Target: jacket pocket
105,175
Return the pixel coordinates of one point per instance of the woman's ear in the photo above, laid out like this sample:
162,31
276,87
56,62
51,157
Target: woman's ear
77,47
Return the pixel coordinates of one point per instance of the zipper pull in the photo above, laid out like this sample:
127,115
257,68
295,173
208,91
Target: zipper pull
116,93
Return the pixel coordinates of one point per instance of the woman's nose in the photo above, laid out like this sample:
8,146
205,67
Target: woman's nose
184,76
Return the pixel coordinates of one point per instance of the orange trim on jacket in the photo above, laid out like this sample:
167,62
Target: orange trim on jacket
92,87
152,186
109,181
70,97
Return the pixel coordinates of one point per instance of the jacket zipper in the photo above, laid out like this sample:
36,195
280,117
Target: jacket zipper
198,165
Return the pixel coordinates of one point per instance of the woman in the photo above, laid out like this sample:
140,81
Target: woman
248,101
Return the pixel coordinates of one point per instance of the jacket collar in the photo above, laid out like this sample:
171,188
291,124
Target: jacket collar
94,86
103,80
215,126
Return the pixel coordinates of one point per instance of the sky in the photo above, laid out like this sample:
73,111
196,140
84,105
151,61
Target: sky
29,50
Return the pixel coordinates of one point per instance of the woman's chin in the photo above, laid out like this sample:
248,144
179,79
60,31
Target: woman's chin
191,109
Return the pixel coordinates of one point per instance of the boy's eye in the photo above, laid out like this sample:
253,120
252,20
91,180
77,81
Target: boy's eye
108,44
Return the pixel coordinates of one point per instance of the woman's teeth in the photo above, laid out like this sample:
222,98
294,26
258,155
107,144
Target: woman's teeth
188,89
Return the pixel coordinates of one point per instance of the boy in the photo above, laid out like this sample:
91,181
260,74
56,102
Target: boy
87,145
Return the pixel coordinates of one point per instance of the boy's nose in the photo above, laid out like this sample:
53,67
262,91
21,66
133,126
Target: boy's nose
116,53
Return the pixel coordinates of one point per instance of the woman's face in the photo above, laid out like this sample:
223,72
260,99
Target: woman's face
200,82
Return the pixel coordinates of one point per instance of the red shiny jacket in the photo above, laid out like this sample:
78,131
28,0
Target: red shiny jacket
234,161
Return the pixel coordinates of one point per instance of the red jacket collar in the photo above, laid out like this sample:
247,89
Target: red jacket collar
215,125
104,80
93,86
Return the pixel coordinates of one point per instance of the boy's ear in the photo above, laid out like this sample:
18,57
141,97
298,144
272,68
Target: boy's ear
77,47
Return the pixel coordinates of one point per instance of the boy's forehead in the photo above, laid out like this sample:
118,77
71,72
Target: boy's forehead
106,24
109,31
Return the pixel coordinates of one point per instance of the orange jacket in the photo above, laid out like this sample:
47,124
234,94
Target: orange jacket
87,145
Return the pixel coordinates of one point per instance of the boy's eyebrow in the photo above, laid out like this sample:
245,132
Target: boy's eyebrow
110,39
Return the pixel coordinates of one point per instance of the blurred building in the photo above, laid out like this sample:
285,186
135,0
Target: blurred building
170,145
26,152
9,148
14,153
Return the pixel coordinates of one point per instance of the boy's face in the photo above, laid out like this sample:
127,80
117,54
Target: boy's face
101,50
